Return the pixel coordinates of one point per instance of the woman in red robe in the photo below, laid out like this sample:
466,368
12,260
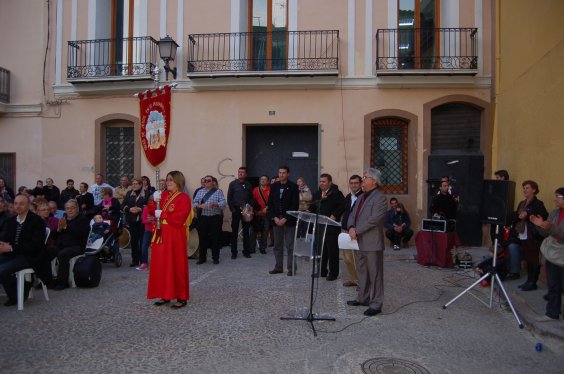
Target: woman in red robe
168,275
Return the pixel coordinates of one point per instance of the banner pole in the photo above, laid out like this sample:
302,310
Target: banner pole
158,176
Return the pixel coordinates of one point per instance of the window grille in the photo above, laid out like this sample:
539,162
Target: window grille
119,153
389,153
7,170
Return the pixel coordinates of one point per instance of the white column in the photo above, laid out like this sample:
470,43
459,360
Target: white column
91,19
293,15
350,37
392,14
59,44
181,37
162,29
74,10
478,14
368,58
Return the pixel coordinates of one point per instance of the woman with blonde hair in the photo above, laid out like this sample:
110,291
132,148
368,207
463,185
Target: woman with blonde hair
168,273
305,195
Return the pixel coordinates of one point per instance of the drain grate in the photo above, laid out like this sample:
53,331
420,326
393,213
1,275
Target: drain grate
387,365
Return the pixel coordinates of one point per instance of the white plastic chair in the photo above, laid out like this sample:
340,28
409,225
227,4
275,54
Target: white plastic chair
25,274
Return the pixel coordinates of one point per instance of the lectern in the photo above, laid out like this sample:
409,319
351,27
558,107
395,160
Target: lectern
309,238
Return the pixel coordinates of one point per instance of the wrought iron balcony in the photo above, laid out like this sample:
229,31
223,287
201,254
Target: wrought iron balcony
111,59
4,85
426,51
277,53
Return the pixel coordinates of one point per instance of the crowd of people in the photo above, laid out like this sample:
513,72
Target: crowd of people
159,221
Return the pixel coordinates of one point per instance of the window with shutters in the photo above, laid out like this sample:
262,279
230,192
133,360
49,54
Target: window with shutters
388,153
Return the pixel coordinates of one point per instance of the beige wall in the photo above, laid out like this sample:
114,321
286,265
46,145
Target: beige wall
531,93
23,48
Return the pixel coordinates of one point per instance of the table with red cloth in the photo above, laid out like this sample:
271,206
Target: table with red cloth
433,248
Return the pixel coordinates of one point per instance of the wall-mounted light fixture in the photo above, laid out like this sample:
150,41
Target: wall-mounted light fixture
167,50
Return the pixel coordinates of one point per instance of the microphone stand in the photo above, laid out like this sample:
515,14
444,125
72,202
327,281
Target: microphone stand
316,259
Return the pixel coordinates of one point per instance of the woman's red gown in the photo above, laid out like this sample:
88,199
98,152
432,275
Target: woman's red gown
168,273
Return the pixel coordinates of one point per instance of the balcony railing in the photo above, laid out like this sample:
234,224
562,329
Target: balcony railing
409,51
107,59
4,85
264,53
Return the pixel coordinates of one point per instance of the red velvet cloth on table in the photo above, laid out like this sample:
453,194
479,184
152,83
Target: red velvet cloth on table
433,248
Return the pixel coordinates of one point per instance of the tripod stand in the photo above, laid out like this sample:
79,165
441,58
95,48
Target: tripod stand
315,249
494,276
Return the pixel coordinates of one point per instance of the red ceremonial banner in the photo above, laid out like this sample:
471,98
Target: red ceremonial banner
155,123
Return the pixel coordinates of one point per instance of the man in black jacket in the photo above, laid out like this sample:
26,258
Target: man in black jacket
70,241
331,203
240,194
22,246
284,197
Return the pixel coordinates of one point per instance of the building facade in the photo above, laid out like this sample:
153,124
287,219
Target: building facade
322,86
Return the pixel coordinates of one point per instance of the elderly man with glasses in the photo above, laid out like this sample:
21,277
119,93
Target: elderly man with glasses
22,246
70,241
366,224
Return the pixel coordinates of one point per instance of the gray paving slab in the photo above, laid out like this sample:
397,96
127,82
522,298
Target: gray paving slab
232,324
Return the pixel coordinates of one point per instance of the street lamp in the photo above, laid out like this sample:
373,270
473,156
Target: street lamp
167,50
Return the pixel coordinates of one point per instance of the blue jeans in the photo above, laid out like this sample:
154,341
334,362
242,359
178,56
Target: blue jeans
145,243
515,258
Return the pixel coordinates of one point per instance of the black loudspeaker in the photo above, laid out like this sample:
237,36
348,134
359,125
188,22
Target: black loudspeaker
498,198
466,172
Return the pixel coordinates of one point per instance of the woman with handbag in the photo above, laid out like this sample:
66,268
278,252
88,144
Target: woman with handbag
525,238
552,249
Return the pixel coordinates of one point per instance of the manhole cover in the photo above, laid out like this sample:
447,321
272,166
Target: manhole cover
387,365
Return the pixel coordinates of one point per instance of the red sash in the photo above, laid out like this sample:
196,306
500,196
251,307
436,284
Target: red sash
157,233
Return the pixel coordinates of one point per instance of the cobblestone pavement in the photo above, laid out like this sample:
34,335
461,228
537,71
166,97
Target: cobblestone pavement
232,324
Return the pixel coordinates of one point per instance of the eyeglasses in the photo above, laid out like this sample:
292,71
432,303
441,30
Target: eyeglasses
559,197
207,180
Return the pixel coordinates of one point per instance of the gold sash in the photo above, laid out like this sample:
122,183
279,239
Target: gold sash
157,233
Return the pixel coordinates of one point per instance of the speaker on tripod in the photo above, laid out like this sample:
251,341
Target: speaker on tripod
498,197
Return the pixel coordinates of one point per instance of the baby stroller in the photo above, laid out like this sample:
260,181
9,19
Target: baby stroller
106,247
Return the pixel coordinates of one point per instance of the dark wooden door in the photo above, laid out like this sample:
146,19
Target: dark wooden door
268,147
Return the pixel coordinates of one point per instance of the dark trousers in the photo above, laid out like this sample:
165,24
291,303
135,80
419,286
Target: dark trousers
554,280
9,264
236,216
136,230
63,256
209,232
330,253
396,237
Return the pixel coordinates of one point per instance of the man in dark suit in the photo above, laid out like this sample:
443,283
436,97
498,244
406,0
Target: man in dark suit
366,224
284,197
70,241
85,200
22,246
331,203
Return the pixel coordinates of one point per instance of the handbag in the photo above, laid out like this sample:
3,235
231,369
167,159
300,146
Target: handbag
553,251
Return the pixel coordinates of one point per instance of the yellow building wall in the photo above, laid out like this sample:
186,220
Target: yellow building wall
530,96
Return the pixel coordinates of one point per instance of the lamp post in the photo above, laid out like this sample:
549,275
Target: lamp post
167,51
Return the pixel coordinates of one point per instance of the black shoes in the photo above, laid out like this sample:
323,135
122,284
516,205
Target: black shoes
179,304
234,256
355,303
161,302
372,312
275,271
215,262
262,251
331,278
247,254
529,287
200,262
10,302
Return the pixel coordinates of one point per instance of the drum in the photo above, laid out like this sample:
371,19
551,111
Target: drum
193,243
124,239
